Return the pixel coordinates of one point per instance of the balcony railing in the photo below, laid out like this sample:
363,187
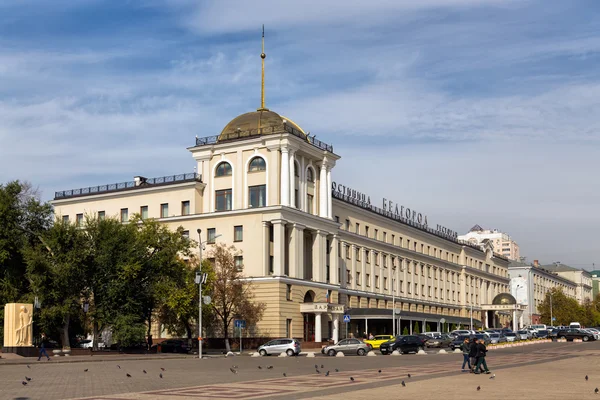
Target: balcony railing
271,130
113,187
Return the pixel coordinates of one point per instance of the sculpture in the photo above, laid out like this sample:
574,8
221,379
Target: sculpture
24,330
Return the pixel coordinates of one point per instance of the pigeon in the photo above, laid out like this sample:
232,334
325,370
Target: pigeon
316,366
85,370
118,366
162,369
337,370
233,370
403,384
284,374
128,375
29,366
24,383
586,378
493,376
235,366
322,366
269,367
596,390
352,379
160,375
144,371
379,371
327,373
259,367
408,375
478,388
27,378
318,372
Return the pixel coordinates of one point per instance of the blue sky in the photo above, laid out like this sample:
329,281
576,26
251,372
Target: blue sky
472,111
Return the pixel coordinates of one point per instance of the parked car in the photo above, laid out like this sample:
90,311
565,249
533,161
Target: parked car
441,341
277,346
378,340
404,344
348,347
593,332
88,344
457,342
460,332
523,334
542,333
432,334
496,338
573,333
510,336
552,333
173,346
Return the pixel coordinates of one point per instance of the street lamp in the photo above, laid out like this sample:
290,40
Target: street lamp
200,279
515,326
551,319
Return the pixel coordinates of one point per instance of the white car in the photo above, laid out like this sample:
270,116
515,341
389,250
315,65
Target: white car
462,332
88,344
594,332
433,334
524,334
510,336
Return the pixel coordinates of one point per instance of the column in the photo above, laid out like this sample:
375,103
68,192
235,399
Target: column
405,276
342,270
463,287
285,177
266,247
273,190
302,185
323,191
292,180
515,320
336,328
390,267
353,265
207,179
334,262
278,246
318,327
296,250
300,250
329,196
373,280
363,261
319,256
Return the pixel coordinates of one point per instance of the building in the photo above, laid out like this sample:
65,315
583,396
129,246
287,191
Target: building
315,249
502,242
581,278
595,282
529,285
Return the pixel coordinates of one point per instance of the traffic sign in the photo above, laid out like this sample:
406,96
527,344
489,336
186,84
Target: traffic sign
240,323
553,318
346,318
206,299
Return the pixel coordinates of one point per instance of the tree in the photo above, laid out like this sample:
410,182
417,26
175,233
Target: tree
428,328
416,330
405,331
233,297
564,309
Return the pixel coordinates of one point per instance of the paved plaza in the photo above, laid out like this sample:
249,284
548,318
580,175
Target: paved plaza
549,371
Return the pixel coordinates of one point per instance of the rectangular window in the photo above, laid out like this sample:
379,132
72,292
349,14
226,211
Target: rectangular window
385,236
423,290
288,292
376,281
79,220
337,219
366,231
347,224
164,210
101,215
348,252
393,239
144,212
210,235
358,228
376,256
186,234
238,233
358,278
271,265
385,284
239,262
124,215
368,280
376,234
309,203
296,199
65,218
257,196
223,200
185,207
288,328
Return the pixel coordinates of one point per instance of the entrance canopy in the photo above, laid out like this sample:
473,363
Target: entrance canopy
376,313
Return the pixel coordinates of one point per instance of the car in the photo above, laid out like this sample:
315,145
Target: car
432,334
460,332
552,333
573,333
510,336
378,340
523,334
348,347
441,341
496,338
289,346
88,344
173,346
542,333
593,332
457,342
404,344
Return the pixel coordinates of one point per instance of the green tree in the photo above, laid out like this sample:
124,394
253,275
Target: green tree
416,330
564,309
428,328
232,296
405,331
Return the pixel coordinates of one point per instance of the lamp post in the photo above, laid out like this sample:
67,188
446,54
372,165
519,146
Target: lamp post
515,326
551,316
200,279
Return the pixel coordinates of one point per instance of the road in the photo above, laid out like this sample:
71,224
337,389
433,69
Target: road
190,378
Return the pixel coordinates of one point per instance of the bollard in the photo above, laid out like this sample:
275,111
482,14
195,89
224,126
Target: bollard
421,352
310,355
395,353
255,354
371,354
340,354
442,351
284,354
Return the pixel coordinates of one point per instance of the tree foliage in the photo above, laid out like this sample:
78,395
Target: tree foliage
566,310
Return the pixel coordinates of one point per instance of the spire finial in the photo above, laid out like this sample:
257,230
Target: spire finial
262,86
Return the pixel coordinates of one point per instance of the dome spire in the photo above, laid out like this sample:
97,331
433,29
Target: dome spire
262,86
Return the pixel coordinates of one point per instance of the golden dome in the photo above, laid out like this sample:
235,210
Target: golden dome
259,122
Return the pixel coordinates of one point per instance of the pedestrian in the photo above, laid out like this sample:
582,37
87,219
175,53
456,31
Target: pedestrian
43,348
466,348
481,365
149,342
473,353
371,337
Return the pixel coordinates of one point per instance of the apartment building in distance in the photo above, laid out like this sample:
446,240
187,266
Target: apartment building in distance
502,242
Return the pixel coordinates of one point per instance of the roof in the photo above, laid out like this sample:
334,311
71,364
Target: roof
504,299
259,121
476,228
559,267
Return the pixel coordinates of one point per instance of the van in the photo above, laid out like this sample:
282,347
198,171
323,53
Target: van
433,334
537,327
575,325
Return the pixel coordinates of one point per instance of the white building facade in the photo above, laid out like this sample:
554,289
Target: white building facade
503,244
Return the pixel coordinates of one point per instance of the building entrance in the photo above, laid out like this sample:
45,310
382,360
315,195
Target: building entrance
309,328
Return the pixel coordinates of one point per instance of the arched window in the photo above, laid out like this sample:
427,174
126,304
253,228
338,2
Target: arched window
223,169
257,164
310,175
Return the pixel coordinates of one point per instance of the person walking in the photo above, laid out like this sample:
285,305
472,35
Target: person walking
43,351
473,353
466,349
481,365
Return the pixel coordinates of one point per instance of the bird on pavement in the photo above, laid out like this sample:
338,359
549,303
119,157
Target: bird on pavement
29,366
128,375
233,370
327,373
352,379
284,374
269,367
160,375
322,366
403,384
478,388
379,371
596,390
318,372
86,370
586,378
27,378
235,366
144,371
24,383
162,369
259,367
493,376
118,366
408,375
337,370
316,366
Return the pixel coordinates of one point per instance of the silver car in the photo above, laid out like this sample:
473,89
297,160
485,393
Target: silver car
277,346
523,335
348,347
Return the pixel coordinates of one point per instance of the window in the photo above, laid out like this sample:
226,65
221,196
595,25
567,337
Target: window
144,212
79,220
310,175
210,235
288,328
393,239
238,233
223,169
271,265
257,164
376,281
366,231
296,198
223,200
185,207
376,256
164,210
347,224
385,283
358,278
288,292
257,196
358,250
309,203
101,215
296,172
239,262
358,228
376,235
368,276
124,215
65,218
385,236
185,234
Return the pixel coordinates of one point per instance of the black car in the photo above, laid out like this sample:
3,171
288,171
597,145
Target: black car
174,346
573,333
404,344
543,334
456,343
